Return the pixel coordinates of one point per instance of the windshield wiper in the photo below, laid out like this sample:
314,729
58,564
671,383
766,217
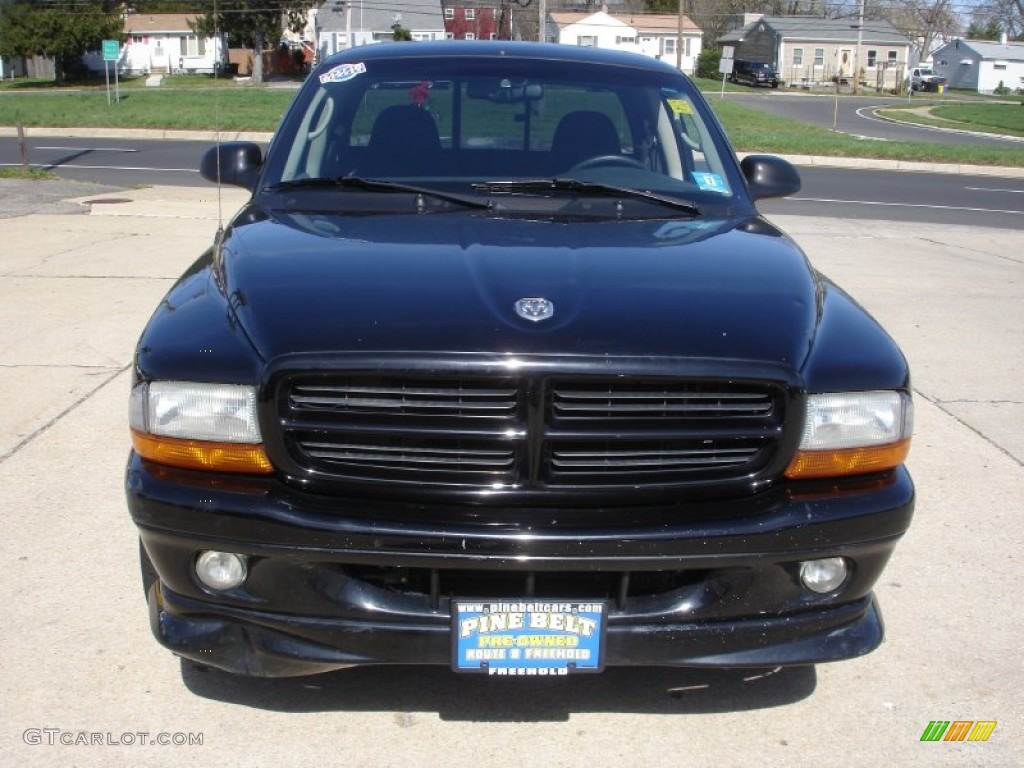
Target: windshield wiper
377,185
586,188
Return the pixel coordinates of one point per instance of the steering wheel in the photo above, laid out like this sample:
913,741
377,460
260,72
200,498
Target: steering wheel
600,160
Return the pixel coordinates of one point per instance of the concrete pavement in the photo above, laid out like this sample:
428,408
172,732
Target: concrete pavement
76,654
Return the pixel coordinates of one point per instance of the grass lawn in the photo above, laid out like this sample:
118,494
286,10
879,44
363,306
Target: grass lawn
990,118
754,131
239,108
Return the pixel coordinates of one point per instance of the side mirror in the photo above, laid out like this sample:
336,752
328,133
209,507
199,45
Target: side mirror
769,176
233,162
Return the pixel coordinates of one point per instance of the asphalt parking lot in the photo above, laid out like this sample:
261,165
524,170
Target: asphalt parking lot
81,678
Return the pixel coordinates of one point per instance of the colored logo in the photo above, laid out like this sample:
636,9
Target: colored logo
958,730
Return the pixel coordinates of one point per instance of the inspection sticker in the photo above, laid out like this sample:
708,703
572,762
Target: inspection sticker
533,637
342,72
710,182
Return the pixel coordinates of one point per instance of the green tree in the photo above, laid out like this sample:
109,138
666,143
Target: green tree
1008,14
400,34
990,30
61,29
247,23
708,61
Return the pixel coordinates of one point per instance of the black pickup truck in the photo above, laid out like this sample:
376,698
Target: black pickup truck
499,368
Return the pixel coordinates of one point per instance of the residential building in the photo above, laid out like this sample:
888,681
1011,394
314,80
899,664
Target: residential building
164,43
981,65
807,50
654,35
477,20
363,23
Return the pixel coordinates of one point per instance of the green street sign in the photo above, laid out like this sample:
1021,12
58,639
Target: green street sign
111,50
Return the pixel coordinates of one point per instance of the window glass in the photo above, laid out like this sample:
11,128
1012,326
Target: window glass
434,122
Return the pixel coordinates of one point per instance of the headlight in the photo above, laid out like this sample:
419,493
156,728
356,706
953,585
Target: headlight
851,433
198,426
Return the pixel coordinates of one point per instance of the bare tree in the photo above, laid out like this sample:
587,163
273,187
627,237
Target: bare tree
926,21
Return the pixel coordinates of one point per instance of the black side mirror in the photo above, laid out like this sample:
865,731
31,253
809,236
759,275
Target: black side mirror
770,176
233,162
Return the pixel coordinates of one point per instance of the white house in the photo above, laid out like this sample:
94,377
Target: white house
981,65
164,43
652,34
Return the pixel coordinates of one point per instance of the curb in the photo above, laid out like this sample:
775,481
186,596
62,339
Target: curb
940,128
139,133
815,161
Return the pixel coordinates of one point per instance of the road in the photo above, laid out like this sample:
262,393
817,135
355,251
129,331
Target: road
856,117
844,193
912,198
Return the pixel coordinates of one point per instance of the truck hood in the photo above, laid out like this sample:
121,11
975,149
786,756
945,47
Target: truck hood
316,283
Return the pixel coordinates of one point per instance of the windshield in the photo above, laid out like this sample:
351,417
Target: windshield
467,123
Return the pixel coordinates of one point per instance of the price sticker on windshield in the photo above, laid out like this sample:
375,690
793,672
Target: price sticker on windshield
680,106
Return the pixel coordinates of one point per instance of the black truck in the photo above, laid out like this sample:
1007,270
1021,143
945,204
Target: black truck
500,368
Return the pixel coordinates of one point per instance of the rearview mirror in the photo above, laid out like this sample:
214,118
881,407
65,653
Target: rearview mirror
504,91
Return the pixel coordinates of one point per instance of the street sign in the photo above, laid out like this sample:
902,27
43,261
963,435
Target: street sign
111,52
725,66
727,51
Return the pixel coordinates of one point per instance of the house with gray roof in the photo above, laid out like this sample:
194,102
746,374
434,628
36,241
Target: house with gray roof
807,50
981,65
361,22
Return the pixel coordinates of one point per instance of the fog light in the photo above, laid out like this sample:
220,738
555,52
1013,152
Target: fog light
823,575
221,570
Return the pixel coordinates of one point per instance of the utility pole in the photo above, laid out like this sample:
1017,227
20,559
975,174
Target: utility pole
679,37
542,20
856,53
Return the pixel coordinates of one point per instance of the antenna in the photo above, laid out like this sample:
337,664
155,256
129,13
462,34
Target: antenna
218,53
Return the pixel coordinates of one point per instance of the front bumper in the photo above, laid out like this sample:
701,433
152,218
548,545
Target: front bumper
334,583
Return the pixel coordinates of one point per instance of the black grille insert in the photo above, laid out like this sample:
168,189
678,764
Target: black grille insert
386,397
525,433
676,400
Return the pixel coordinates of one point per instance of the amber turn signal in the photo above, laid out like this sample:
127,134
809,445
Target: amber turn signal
847,461
200,454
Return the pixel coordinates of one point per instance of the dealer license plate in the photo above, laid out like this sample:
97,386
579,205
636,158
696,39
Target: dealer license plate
528,637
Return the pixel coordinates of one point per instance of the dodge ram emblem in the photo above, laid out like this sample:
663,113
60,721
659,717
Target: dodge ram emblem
535,309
